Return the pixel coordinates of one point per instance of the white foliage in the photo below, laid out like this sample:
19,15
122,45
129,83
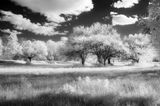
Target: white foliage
148,55
52,49
28,48
99,39
35,48
140,47
40,48
55,48
12,47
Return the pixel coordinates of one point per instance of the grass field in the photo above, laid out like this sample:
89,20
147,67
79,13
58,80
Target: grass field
82,87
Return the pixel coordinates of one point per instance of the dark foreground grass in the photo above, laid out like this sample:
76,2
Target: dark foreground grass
70,100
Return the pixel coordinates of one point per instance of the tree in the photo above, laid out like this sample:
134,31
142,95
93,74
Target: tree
40,49
138,44
28,51
106,47
151,23
52,50
33,49
96,47
78,46
55,48
12,47
106,43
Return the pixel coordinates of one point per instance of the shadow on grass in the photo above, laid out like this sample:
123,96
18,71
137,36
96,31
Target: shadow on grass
10,63
136,101
16,64
70,100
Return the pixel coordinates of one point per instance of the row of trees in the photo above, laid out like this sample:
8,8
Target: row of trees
99,39
104,42
27,49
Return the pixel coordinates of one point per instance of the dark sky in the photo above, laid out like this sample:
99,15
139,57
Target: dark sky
100,12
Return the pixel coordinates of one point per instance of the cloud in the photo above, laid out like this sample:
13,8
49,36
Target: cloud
14,32
22,23
64,38
113,13
125,3
53,8
123,20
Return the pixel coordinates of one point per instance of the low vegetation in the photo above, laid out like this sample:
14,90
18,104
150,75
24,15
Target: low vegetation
80,90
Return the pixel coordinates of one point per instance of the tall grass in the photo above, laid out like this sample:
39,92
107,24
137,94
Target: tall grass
24,90
86,91
126,92
121,87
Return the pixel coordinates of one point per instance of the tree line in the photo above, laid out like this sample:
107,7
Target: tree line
100,40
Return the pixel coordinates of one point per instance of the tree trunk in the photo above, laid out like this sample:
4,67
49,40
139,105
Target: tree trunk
104,62
99,58
135,61
29,59
109,60
83,61
83,58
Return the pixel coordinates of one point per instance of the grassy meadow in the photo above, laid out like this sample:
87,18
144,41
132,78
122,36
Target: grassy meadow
79,88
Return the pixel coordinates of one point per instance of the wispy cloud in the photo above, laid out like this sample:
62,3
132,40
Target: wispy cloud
22,23
53,8
8,31
126,3
123,20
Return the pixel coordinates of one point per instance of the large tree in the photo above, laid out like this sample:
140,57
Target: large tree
55,48
151,23
106,43
106,47
12,47
78,47
139,45
33,49
28,51
40,49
